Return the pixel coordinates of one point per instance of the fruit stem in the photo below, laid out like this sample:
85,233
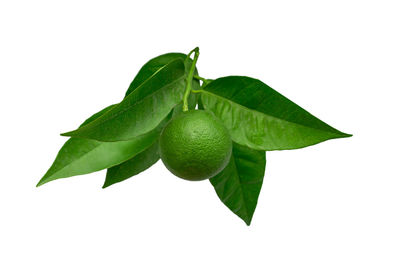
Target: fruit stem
189,78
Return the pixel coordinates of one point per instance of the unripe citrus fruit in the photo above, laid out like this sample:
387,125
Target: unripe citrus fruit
195,145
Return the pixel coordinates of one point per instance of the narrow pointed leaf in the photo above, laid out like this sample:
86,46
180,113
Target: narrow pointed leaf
133,166
81,156
259,117
238,185
157,63
142,110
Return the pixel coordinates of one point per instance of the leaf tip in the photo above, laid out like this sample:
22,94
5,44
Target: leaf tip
344,135
67,133
41,182
247,220
340,134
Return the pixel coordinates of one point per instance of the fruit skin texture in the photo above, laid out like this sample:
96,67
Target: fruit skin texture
195,145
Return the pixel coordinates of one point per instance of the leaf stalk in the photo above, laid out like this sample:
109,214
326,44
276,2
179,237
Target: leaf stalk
189,78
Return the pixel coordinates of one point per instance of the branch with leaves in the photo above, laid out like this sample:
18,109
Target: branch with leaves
124,138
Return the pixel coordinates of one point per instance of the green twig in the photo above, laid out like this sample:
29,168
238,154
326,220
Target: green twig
189,78
204,80
197,77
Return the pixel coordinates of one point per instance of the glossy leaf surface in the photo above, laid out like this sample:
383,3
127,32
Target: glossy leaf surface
149,156
133,166
81,156
142,110
238,185
259,117
157,63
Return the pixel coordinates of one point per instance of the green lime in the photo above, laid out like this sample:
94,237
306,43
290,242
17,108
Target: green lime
195,145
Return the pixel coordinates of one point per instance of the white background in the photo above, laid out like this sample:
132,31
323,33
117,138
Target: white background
333,204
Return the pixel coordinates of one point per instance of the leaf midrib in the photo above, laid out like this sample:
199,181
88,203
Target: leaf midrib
69,164
119,166
88,126
267,115
151,76
241,189
99,143
230,194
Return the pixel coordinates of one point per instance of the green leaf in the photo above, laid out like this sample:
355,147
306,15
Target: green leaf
239,184
81,156
142,110
148,157
133,166
157,63
259,117
154,65
142,161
